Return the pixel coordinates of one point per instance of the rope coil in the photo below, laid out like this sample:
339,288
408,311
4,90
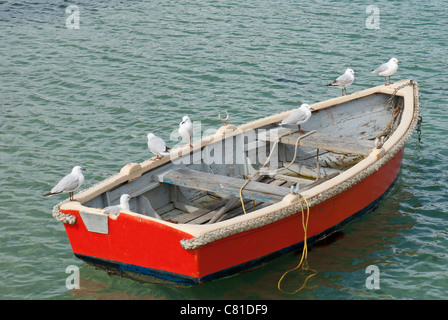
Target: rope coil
62,217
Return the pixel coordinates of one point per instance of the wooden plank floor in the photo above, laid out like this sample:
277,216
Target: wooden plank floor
250,206
203,215
206,213
237,208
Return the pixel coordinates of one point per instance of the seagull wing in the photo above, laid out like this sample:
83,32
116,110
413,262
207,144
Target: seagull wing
157,146
342,81
381,68
67,184
305,118
345,79
295,117
113,209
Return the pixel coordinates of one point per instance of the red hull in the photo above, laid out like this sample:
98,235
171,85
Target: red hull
153,249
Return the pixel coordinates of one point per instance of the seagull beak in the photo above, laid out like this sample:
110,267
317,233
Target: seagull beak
312,109
131,197
398,61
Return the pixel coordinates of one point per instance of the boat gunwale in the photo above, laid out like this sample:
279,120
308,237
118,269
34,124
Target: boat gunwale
133,171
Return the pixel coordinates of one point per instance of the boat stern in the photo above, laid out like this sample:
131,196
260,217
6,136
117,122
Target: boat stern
130,245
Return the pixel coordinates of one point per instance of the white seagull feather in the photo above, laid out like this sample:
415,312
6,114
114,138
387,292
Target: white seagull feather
298,116
157,146
124,205
387,69
69,183
186,129
344,81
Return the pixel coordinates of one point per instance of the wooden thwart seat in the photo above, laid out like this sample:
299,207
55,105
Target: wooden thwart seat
224,208
319,140
230,206
224,185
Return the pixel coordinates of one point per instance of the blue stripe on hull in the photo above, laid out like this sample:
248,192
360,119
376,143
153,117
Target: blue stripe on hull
145,274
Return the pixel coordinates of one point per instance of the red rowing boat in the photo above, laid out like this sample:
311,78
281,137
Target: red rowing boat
235,200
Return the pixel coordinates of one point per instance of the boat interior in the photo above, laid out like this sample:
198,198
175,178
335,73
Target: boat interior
260,166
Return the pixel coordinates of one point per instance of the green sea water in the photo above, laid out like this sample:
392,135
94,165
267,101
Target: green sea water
89,95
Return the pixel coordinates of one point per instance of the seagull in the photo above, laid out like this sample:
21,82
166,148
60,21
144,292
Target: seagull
387,69
157,146
69,183
124,205
186,129
298,116
344,81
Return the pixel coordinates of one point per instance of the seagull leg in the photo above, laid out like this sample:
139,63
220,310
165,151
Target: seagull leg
342,91
300,130
71,196
191,146
385,81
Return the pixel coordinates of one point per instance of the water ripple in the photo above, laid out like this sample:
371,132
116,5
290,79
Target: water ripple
89,96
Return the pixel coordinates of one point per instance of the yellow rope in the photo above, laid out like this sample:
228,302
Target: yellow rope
269,158
241,193
303,260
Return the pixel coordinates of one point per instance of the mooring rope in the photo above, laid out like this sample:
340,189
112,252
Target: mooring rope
303,261
269,158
